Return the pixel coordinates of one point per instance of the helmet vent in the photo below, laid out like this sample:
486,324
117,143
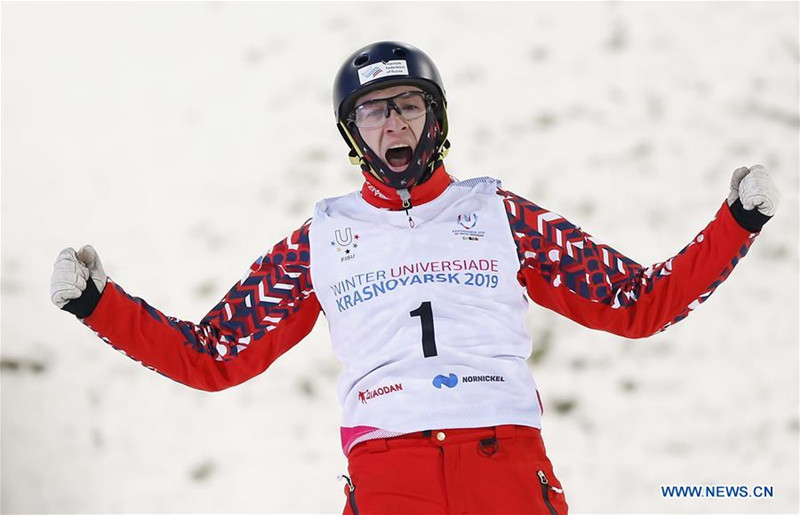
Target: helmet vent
361,60
400,52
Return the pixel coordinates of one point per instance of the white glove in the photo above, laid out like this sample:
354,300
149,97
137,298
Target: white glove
755,189
71,271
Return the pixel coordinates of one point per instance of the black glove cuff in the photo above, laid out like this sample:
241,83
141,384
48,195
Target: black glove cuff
84,305
752,220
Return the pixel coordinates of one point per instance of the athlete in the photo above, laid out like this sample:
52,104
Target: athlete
424,281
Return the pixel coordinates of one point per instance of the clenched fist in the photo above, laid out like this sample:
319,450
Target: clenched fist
753,197
78,280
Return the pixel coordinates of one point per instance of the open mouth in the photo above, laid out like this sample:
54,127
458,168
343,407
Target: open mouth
399,157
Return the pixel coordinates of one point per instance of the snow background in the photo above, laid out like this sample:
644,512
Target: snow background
183,139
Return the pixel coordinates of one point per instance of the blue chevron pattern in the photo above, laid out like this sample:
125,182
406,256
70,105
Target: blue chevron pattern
567,256
277,283
275,286
564,255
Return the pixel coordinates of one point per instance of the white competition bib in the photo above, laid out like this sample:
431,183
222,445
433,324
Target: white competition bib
429,321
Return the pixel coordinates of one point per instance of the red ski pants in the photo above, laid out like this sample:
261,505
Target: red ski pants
502,469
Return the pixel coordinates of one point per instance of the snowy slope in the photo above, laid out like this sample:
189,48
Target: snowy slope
184,139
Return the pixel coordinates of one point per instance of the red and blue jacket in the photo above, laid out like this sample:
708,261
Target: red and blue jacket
561,267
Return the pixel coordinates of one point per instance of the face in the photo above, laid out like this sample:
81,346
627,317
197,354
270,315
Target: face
396,141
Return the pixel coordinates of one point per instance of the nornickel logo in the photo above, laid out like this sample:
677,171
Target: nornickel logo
449,381
483,379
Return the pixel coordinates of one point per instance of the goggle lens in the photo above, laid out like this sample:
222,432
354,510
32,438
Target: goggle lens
374,113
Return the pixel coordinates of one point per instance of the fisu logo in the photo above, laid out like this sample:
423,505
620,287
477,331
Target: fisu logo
345,241
449,381
468,221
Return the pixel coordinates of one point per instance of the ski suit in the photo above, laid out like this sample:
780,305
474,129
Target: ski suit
426,308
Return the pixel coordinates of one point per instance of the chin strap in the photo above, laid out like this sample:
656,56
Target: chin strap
426,154
444,149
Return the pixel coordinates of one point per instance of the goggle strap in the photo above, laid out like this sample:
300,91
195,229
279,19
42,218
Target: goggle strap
355,155
359,161
444,149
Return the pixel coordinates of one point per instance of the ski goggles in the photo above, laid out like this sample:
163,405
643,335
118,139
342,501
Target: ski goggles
374,113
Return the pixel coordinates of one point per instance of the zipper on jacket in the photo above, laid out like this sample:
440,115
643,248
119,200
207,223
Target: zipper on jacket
546,493
405,196
351,494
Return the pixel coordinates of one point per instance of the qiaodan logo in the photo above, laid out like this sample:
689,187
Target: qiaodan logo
449,381
345,242
371,393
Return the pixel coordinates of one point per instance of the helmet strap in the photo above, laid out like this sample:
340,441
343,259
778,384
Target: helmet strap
422,164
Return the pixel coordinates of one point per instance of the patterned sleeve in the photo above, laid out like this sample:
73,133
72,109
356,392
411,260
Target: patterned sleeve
262,316
568,271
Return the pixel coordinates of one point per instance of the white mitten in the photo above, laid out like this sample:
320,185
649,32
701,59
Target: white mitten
69,277
755,189
91,260
71,271
736,178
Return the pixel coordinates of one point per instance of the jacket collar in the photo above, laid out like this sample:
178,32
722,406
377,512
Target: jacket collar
380,195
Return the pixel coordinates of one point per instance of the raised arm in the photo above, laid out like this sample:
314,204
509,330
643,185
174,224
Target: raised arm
570,272
262,316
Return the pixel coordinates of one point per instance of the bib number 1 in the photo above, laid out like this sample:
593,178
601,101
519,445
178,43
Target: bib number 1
425,313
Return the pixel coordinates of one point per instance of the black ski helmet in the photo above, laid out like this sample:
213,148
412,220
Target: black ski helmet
380,65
